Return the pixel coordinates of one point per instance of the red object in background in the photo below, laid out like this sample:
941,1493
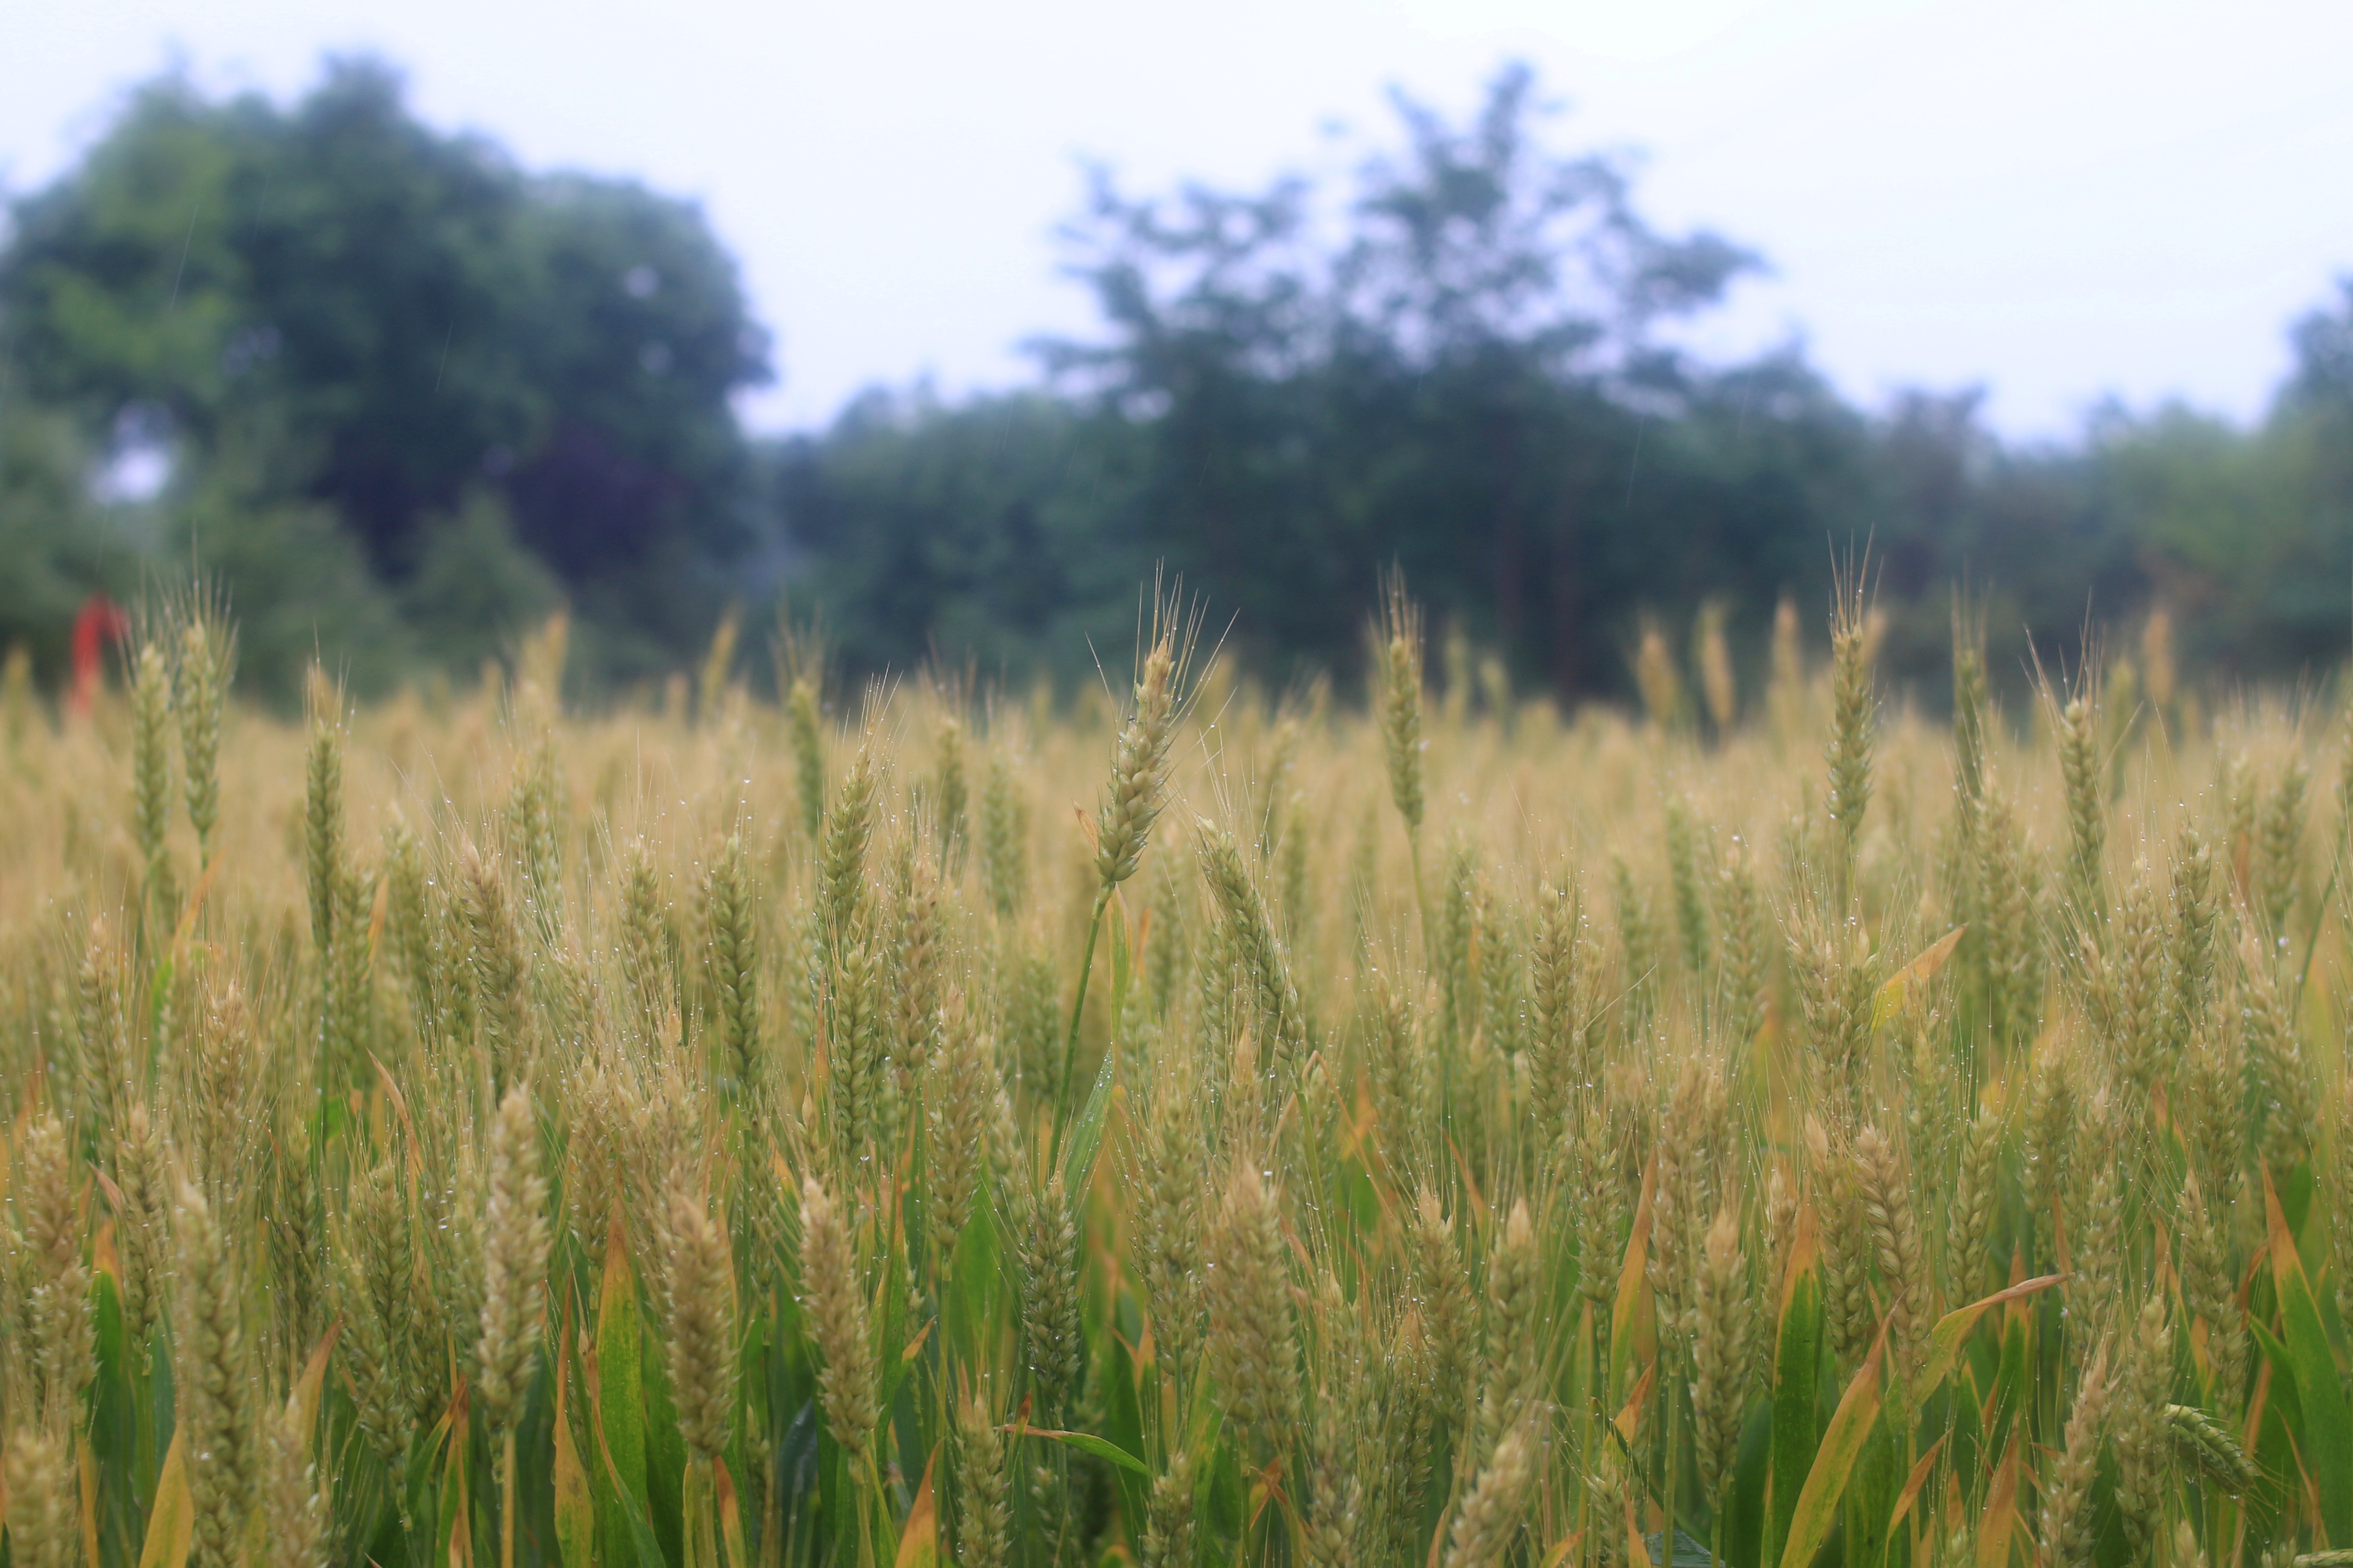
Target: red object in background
99,622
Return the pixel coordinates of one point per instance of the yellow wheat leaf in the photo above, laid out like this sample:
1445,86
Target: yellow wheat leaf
1917,973
172,1522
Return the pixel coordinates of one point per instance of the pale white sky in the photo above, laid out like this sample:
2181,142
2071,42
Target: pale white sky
2056,199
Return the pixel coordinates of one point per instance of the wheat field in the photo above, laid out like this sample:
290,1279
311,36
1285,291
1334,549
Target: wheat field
924,1124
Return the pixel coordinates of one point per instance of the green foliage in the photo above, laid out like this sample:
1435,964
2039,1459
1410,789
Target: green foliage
415,397
300,582
1005,528
1462,367
475,586
1463,382
334,312
57,544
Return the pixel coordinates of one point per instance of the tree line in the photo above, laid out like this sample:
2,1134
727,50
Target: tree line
415,396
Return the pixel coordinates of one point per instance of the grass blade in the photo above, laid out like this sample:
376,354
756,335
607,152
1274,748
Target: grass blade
1633,1287
1088,1443
919,1538
620,1391
1952,1331
2327,1447
1842,1444
172,1522
1087,1132
1890,998
1796,1372
1999,1522
575,1500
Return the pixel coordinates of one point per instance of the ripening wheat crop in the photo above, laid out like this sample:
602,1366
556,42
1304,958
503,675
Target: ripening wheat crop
894,1128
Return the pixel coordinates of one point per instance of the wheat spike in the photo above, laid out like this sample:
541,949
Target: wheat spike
43,1523
214,1385
700,1286
515,1244
832,1285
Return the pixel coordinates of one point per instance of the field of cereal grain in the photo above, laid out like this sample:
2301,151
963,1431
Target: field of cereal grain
923,1125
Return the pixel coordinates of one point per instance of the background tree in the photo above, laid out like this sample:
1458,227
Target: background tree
1457,366
1466,363
415,398
335,306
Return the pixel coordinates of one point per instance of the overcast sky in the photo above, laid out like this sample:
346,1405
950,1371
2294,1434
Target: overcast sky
2056,200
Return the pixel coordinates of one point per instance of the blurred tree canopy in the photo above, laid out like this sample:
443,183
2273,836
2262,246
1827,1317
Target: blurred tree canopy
1466,364
1459,370
333,310
414,398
